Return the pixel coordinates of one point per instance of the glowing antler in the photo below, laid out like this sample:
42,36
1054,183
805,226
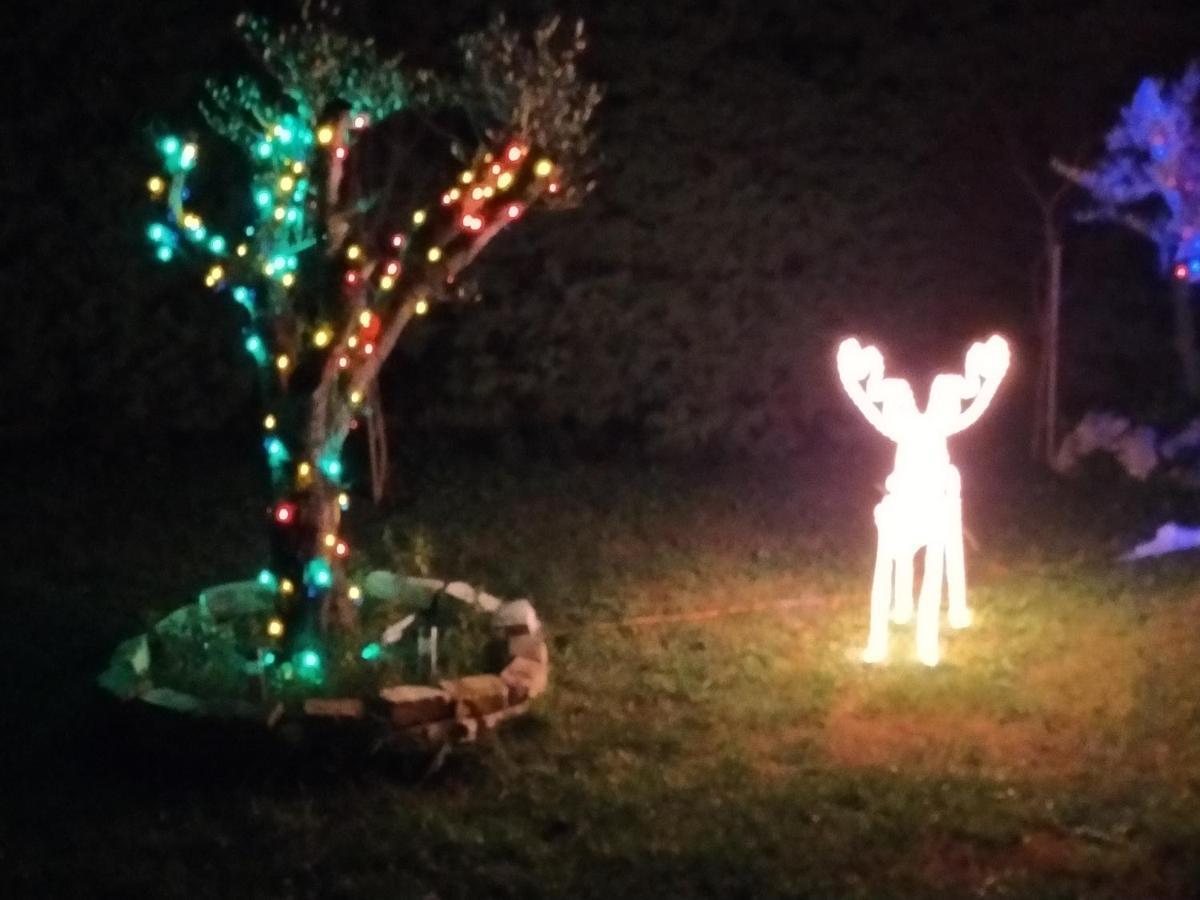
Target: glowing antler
858,365
985,367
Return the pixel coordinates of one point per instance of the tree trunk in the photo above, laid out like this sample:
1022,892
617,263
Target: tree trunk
1185,336
1045,403
315,392
1053,307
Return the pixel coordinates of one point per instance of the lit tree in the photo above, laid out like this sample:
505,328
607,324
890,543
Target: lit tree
1149,181
371,190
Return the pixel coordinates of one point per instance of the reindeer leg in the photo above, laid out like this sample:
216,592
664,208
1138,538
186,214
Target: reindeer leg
930,602
956,578
877,636
902,605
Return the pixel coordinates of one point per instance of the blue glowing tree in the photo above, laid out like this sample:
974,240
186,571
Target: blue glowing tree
1149,181
371,190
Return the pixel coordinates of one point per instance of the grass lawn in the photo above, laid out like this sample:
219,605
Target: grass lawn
1055,752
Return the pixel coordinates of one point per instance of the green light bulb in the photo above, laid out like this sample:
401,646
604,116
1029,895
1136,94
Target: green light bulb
255,347
371,651
276,451
266,579
156,232
332,467
310,660
263,149
216,244
169,145
262,197
164,254
318,573
268,658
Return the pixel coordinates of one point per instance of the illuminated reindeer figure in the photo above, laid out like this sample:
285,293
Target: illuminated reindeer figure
922,506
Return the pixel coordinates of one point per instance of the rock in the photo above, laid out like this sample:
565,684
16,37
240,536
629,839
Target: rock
517,617
172,699
529,646
413,704
487,602
460,590
1170,538
349,708
1137,451
1136,447
383,585
430,584
1184,442
477,695
525,678
396,630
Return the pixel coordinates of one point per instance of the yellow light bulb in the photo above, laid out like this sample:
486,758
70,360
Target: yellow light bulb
275,628
352,342
286,587
353,251
386,282
216,273
287,183
297,168
466,177
434,254
191,221
343,500
504,182
156,185
324,134
282,362
354,593
304,469
288,279
419,217
542,168
280,212
364,318
454,194
330,539
422,307
269,422
356,397
321,337
477,193
242,249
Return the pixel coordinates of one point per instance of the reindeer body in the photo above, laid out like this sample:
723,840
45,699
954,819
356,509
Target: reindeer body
922,506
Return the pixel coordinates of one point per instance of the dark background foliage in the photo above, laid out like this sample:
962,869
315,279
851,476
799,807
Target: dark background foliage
774,175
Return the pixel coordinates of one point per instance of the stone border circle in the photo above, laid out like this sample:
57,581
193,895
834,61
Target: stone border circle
455,711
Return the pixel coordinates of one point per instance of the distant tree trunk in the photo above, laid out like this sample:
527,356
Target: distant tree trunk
1053,307
1045,412
1185,336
